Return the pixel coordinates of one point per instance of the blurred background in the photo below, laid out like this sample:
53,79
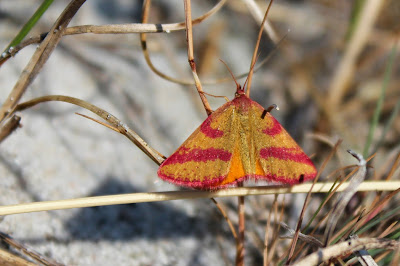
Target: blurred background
328,68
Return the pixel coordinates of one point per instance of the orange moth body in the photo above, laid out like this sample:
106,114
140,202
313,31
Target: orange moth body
240,140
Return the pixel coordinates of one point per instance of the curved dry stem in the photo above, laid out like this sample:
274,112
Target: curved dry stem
115,122
143,41
112,29
345,197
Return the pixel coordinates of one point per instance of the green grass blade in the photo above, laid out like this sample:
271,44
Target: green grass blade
388,125
355,15
30,24
305,229
378,109
377,220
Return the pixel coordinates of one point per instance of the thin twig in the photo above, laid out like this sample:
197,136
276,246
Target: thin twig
253,60
27,250
240,240
222,211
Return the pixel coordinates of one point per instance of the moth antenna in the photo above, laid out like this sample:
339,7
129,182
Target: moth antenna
238,87
253,64
254,59
216,96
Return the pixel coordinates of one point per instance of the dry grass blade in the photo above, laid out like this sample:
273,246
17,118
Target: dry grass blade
299,223
357,42
122,128
309,239
345,248
39,58
267,231
27,251
9,127
345,197
241,232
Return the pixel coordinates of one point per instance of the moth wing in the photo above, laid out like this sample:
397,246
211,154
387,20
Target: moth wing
279,157
204,159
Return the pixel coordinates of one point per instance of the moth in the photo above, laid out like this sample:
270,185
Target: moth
239,141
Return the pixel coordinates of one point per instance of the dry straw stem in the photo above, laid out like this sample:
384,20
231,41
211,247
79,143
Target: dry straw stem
345,248
179,195
7,258
40,57
345,70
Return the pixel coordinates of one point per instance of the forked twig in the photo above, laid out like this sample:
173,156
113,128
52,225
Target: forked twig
39,58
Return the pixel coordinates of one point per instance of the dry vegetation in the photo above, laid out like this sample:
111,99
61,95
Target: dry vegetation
334,75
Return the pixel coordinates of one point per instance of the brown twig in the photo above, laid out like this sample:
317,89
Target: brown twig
192,63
